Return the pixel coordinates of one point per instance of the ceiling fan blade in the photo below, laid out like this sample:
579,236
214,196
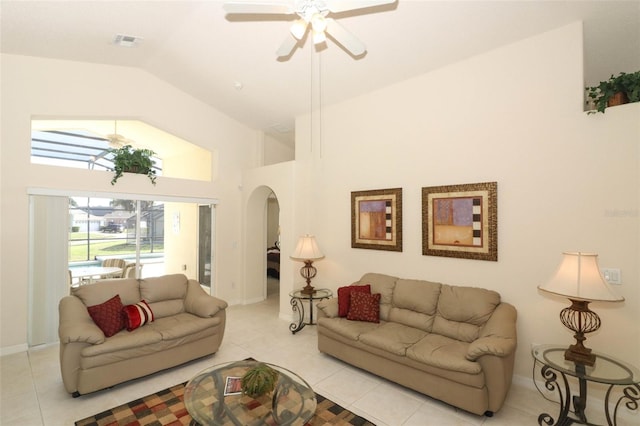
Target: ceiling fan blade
258,7
337,6
287,46
344,37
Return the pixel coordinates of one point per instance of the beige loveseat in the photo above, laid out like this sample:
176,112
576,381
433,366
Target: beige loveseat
188,324
455,344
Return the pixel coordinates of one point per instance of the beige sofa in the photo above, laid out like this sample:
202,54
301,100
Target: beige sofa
188,324
455,344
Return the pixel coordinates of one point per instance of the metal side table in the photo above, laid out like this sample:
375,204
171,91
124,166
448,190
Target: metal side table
297,305
618,375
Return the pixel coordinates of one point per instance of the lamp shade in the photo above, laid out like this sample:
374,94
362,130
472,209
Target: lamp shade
307,249
578,277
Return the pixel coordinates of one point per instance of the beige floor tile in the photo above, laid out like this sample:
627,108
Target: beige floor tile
32,393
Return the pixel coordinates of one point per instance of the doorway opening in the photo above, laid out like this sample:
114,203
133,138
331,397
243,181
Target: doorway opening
273,247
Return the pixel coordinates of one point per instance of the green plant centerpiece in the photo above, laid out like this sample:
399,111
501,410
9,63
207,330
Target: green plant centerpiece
615,91
130,160
259,380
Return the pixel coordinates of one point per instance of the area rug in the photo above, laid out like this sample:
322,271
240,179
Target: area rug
167,408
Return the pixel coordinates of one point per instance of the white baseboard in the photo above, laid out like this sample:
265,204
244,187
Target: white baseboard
288,317
9,350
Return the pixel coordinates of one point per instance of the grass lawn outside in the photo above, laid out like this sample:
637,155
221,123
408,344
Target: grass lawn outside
105,245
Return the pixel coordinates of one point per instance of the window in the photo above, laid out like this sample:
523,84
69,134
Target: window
86,144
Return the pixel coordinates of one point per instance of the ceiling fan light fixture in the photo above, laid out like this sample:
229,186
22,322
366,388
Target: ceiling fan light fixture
319,37
318,23
299,28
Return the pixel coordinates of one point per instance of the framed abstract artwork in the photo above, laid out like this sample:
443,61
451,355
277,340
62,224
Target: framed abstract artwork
461,221
376,219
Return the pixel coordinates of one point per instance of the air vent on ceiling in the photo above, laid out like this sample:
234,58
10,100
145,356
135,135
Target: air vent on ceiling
126,40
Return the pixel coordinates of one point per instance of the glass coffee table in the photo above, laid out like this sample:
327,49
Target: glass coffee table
208,401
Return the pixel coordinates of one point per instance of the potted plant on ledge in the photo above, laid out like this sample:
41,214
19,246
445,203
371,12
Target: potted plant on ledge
130,160
617,90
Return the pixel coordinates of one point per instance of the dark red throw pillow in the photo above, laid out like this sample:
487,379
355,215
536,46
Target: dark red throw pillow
364,307
344,296
137,315
108,315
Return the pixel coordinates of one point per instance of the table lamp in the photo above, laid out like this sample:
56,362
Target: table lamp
307,251
578,278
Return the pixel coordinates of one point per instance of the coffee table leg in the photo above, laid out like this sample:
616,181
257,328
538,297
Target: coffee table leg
297,306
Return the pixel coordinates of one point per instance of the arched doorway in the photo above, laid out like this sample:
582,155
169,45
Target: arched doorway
262,233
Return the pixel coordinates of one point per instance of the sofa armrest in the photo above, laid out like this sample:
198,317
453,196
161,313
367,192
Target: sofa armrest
498,336
328,308
199,303
76,324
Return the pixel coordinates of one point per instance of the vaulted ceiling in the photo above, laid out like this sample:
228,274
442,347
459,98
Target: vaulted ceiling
229,62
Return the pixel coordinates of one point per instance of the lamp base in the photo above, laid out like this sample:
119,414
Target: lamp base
308,290
580,355
580,319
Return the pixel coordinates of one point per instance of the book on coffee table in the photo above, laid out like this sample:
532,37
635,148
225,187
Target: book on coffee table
233,386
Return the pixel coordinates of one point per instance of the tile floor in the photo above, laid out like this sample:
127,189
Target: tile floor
32,392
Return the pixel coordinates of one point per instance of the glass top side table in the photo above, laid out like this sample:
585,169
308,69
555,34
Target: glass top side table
297,297
606,370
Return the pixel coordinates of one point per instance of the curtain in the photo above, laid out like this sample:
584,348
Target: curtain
48,270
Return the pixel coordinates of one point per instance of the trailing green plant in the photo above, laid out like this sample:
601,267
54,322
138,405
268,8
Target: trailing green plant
130,160
629,84
259,380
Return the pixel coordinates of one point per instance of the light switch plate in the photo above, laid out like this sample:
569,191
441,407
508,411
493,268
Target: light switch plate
612,275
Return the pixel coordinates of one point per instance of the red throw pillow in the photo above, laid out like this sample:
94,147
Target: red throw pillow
137,315
364,307
108,315
344,296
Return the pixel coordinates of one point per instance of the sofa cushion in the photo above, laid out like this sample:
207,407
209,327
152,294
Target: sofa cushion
183,325
164,294
123,340
414,303
393,337
108,316
364,307
329,307
344,297
137,315
383,284
443,352
462,311
349,329
103,290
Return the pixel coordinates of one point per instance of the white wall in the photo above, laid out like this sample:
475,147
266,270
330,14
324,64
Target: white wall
45,88
276,151
514,116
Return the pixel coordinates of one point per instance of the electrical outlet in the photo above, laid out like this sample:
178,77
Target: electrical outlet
612,275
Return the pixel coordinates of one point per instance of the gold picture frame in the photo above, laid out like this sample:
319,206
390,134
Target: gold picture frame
376,219
461,221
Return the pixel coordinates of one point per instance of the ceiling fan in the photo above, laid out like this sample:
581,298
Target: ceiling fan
312,15
116,140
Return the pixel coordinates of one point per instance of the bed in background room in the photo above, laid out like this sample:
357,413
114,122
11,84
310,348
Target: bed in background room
273,261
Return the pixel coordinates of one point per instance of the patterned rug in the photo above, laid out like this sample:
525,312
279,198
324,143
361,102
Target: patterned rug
167,408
